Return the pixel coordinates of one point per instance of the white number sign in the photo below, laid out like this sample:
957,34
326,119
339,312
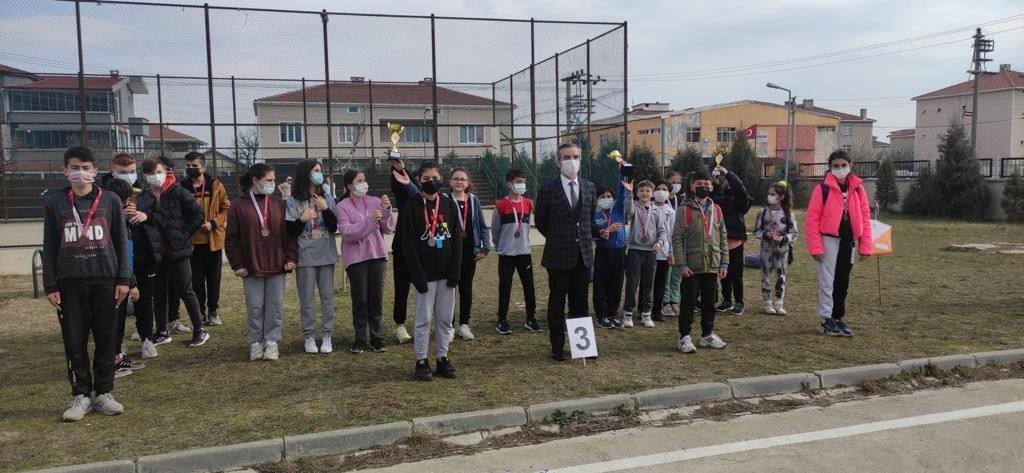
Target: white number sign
582,339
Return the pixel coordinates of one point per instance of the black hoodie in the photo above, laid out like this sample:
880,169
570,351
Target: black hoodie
427,263
97,256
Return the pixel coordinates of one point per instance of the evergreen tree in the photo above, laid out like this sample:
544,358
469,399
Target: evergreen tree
920,200
686,161
742,160
645,165
1013,199
886,193
957,179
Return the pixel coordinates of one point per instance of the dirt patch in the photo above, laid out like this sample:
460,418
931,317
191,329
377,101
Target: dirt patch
8,437
993,247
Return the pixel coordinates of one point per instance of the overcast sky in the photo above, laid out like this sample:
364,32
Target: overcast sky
688,53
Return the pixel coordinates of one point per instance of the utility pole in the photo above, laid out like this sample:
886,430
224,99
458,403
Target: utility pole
981,47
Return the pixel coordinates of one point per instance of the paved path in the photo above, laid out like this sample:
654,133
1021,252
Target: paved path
976,428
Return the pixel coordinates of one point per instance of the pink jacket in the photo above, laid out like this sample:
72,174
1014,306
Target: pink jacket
362,238
824,218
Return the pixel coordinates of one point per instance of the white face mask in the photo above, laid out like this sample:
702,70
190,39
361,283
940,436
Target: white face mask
605,203
570,168
519,188
772,199
676,188
263,188
660,196
841,172
129,177
360,189
156,179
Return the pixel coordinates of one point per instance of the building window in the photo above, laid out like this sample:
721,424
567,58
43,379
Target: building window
845,130
726,134
348,133
826,129
847,148
471,135
291,132
693,134
352,109
57,101
415,131
650,131
60,139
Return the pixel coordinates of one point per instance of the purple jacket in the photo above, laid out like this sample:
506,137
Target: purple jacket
362,238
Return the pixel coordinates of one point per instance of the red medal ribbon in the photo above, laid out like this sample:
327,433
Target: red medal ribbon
265,214
431,224
643,221
89,216
465,215
515,215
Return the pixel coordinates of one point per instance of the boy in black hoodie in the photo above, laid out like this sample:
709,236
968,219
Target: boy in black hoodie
431,244
86,276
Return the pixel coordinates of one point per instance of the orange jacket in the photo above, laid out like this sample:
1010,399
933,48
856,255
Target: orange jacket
215,206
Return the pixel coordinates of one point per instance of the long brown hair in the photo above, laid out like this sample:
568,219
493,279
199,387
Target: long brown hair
469,185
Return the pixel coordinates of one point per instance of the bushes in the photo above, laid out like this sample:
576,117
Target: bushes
1013,199
886,193
956,189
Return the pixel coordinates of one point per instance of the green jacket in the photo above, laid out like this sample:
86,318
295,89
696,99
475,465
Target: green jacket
692,247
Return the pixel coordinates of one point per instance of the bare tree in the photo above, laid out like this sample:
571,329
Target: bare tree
248,149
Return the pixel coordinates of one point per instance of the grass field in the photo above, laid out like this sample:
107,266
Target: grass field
935,302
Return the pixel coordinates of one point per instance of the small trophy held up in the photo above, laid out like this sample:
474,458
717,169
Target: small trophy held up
134,198
626,168
718,163
396,132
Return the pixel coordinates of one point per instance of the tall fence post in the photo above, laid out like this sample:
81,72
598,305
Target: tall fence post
590,106
511,120
81,76
3,172
160,113
533,103
625,93
433,82
558,118
371,125
494,106
209,87
234,120
327,95
305,121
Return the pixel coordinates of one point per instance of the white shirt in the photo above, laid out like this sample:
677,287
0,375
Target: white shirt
565,188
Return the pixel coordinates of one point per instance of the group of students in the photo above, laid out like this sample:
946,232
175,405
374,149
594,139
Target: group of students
153,242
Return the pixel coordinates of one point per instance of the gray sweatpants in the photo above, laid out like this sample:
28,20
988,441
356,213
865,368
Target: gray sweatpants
264,301
640,268
309,280
834,277
438,303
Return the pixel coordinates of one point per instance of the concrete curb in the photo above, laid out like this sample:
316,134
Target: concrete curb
337,442
233,457
595,405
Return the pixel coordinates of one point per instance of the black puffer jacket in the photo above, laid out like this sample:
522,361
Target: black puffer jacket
172,222
735,203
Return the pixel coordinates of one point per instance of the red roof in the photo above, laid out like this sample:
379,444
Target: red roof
359,92
1006,78
901,133
846,117
170,134
4,69
71,82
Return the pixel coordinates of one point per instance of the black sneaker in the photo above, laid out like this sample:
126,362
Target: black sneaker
445,368
725,306
657,317
737,309
358,347
503,327
559,357
198,339
828,327
616,322
605,323
377,345
533,326
843,328
162,338
422,371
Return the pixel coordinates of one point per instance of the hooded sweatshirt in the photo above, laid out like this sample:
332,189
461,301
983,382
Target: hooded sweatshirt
98,255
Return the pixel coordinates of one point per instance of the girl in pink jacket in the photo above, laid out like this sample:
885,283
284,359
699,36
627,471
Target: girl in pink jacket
838,228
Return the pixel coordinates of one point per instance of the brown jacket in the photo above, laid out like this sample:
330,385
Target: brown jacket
215,206
245,246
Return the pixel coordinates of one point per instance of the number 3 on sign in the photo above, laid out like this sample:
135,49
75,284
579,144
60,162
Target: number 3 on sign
582,341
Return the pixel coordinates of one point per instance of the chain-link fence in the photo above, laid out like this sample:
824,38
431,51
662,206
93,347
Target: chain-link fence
246,85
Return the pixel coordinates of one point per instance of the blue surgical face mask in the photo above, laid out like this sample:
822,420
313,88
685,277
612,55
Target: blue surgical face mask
317,178
266,189
129,177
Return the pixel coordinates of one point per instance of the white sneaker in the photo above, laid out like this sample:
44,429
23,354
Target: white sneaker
451,336
135,336
325,345
255,351
712,341
686,345
402,335
148,350
311,345
106,404
769,308
779,309
627,319
80,406
178,327
465,332
666,310
646,320
270,353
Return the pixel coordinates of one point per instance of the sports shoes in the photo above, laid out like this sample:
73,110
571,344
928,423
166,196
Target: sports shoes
605,323
422,371
779,308
445,368
162,338
828,327
646,320
135,336
271,353
148,350
725,306
627,319
199,338
402,335
843,328
310,345
686,345
769,308
122,372
255,351
214,318
737,309
106,404
126,363
178,327
533,326
503,327
326,346
358,347
377,345
80,406
712,341
465,333
451,335
656,315
666,310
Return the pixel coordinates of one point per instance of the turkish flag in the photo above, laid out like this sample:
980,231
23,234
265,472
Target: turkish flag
751,132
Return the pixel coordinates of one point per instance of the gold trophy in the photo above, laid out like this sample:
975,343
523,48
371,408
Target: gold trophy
134,198
396,132
626,169
718,163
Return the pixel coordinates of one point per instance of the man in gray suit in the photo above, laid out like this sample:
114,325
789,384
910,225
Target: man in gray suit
564,211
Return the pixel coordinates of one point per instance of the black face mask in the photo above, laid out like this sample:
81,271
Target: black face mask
431,187
193,173
702,192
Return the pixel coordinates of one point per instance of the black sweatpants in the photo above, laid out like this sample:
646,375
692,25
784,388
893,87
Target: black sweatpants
609,274
704,283
841,283
402,283
572,285
174,278
661,277
732,285
89,309
206,271
466,280
367,279
507,267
